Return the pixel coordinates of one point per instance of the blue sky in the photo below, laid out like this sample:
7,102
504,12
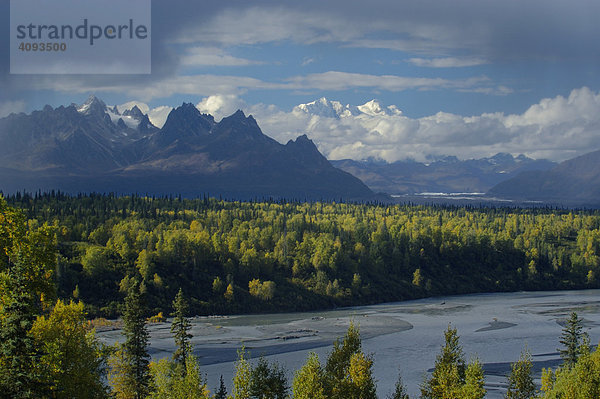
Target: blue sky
466,58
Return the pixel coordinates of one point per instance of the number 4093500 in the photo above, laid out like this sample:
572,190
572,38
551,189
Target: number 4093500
25,46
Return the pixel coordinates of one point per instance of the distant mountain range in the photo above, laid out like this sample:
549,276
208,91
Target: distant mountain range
574,182
445,175
335,109
92,147
96,148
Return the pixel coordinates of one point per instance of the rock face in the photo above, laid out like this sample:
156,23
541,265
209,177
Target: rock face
575,181
447,175
95,148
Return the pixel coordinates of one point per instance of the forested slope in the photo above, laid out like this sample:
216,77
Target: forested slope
275,256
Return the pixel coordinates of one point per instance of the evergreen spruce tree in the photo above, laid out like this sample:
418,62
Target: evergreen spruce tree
135,346
474,381
572,338
179,328
451,377
221,393
27,258
18,348
399,390
520,381
449,370
268,381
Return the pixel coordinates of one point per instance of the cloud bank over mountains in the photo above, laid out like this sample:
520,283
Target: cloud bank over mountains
554,128
464,56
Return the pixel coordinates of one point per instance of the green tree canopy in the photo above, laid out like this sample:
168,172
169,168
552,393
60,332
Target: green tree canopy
451,377
309,380
242,379
348,370
72,359
170,383
579,381
268,381
520,380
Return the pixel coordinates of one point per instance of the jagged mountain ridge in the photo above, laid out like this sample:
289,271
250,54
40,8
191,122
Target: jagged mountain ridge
69,139
95,148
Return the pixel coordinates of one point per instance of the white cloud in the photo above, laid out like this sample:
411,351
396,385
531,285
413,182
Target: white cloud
335,80
213,56
556,128
481,29
307,61
157,116
220,106
254,25
130,104
196,85
448,62
209,84
9,107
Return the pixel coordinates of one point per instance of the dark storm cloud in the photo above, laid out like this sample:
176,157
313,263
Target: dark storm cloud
433,31
501,30
4,49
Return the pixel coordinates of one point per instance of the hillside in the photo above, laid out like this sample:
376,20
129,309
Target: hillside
575,181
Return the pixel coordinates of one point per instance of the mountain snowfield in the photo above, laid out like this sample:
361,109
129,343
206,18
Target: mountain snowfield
334,109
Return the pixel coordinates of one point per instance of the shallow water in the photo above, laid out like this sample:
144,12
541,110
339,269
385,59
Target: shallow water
403,337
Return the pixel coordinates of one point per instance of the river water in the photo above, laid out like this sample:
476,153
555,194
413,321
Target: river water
403,337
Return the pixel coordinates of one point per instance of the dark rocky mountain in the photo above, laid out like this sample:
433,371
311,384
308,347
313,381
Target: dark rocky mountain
575,181
446,175
73,140
95,148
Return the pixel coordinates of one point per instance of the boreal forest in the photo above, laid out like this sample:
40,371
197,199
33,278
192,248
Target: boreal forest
271,256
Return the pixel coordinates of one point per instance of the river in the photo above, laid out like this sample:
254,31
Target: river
403,337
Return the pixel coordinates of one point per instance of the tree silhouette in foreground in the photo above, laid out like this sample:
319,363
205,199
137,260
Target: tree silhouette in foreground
130,373
179,328
572,339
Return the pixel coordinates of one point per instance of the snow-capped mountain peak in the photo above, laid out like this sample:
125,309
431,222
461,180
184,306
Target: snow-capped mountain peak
372,108
324,107
93,105
335,109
